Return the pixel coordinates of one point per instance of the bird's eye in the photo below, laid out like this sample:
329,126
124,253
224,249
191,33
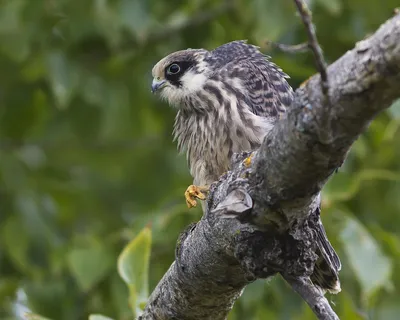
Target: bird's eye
173,69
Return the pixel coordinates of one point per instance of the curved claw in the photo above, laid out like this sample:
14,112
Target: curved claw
193,192
247,161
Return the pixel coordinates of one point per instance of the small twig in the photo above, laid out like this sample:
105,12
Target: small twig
287,48
313,43
313,296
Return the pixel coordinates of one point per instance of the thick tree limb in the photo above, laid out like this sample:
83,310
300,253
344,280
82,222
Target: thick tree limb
218,257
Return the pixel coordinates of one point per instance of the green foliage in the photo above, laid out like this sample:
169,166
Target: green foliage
86,157
98,317
359,245
32,316
89,265
133,266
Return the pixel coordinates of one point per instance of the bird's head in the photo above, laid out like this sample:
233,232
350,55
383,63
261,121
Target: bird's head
180,75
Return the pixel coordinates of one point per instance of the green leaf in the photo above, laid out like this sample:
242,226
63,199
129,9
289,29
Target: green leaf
371,267
332,6
116,115
8,287
344,187
389,309
394,110
135,16
272,27
391,129
107,21
347,307
16,243
98,317
14,36
89,265
63,78
33,316
133,266
119,291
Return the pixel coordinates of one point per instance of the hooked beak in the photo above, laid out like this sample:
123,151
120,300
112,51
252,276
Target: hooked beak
157,84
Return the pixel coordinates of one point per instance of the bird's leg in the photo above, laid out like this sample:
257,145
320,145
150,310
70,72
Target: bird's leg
193,192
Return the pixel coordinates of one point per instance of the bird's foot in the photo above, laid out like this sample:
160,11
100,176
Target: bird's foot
247,161
193,192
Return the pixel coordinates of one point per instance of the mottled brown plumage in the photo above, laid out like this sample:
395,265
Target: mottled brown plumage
227,100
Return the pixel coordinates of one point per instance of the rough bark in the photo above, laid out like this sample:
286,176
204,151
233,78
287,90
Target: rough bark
274,199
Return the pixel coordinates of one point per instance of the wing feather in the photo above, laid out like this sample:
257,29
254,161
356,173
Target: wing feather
267,92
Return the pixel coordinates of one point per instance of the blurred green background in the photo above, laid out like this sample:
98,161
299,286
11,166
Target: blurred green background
87,158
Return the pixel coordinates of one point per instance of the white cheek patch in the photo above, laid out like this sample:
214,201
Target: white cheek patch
192,82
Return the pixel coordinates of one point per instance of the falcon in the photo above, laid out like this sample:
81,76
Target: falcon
227,100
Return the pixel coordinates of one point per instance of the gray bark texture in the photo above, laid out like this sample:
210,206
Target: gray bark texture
237,242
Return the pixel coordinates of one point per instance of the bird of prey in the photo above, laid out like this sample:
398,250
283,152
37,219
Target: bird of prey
227,100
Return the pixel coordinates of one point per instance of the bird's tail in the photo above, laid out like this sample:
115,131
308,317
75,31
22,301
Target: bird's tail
327,267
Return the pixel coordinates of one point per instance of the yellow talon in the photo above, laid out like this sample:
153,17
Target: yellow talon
247,161
193,192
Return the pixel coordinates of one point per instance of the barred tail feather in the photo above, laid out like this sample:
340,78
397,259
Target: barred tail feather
327,267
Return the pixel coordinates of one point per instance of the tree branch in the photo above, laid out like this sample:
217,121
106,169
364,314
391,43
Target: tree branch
274,201
313,296
305,14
